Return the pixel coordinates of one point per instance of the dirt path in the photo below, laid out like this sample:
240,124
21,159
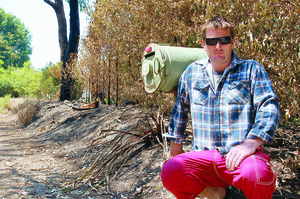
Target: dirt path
28,169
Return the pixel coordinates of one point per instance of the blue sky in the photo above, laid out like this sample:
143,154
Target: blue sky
41,21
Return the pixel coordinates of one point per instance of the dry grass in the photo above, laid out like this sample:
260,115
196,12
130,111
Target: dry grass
27,111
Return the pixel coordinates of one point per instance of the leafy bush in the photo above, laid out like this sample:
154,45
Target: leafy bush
5,83
51,81
17,82
27,81
5,104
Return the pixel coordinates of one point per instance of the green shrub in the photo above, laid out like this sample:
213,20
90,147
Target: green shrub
29,82
5,104
17,82
50,81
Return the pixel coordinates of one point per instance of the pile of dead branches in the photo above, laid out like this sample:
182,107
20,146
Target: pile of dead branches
119,148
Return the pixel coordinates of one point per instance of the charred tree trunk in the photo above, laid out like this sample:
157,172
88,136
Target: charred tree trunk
103,82
108,89
58,7
67,48
117,80
67,87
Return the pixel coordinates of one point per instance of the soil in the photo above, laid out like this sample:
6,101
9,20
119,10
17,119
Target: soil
43,159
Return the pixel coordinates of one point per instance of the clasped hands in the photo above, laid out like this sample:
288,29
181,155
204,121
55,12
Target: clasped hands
233,158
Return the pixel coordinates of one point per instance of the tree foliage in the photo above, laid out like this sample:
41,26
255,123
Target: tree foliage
51,81
17,82
15,41
119,31
26,81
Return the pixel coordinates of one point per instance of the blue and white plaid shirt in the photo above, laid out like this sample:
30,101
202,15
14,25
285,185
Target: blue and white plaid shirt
243,105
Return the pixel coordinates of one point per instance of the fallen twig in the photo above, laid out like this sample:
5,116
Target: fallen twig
127,110
34,147
130,188
86,106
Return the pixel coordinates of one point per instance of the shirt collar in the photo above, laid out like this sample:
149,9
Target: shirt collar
235,60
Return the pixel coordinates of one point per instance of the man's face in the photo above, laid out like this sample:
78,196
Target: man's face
219,55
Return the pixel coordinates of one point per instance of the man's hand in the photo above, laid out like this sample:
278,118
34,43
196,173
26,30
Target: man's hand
175,149
238,153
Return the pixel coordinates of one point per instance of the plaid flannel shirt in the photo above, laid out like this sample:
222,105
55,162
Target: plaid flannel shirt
243,105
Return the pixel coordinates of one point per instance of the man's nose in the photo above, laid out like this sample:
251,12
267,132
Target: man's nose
218,45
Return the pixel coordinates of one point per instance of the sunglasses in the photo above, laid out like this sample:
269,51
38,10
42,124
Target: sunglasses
214,41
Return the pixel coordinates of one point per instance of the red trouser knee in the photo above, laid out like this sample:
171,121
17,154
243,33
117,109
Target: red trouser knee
187,175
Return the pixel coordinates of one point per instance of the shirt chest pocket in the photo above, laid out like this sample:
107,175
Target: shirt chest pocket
238,93
200,93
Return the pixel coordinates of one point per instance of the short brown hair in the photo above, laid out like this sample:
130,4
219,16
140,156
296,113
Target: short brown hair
217,22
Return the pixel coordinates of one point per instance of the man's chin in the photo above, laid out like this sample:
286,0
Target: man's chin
219,58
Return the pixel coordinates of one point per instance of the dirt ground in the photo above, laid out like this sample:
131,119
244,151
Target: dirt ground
43,159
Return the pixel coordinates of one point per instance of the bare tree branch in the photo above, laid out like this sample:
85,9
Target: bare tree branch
51,3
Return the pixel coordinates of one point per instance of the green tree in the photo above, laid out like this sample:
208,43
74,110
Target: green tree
15,41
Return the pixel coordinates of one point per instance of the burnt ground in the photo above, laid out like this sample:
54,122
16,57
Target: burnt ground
43,159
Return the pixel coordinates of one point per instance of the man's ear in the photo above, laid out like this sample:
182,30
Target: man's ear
232,41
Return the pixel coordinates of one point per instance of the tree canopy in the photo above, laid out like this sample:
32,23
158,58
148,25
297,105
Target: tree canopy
15,41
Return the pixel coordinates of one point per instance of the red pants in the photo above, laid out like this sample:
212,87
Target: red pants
187,175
